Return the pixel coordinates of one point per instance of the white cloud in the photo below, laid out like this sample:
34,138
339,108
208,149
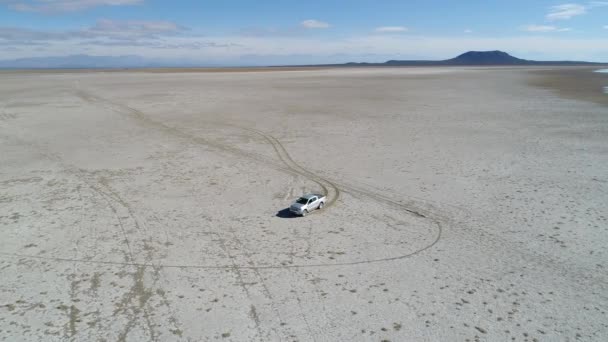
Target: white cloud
133,28
391,29
606,27
544,28
161,41
314,24
23,35
63,5
468,31
598,3
128,30
566,11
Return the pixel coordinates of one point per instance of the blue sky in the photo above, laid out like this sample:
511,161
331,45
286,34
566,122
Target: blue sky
240,32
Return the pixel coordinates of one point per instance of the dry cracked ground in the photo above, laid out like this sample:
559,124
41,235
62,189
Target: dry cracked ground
464,205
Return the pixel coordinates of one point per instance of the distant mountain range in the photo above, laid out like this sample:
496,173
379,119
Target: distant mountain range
474,58
471,58
75,62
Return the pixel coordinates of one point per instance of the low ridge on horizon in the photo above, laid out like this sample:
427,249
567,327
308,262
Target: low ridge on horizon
470,58
475,58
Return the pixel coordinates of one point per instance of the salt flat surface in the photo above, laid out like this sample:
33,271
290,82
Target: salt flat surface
464,205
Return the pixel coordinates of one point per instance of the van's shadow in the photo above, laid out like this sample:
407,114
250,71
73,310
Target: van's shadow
286,213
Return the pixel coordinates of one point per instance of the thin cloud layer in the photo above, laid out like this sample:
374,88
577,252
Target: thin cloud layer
296,30
110,30
569,11
134,28
64,5
314,24
168,39
566,11
391,29
281,50
544,28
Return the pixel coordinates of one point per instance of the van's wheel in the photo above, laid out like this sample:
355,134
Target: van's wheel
305,212
321,205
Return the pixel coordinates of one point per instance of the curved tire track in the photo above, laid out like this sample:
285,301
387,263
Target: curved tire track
289,165
281,152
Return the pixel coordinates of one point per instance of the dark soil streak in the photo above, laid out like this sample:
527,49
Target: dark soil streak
243,285
574,83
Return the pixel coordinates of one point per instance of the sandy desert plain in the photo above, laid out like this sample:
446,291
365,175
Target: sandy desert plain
465,204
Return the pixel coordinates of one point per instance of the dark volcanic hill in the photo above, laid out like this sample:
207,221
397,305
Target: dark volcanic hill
475,58
486,58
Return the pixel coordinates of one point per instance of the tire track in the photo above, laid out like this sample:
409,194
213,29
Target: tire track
114,202
197,140
284,156
264,291
287,165
326,183
240,279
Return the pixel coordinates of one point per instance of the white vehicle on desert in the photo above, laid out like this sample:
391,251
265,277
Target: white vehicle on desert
307,203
